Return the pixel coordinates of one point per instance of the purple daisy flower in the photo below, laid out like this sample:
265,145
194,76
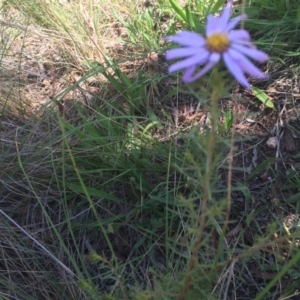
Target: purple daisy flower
221,42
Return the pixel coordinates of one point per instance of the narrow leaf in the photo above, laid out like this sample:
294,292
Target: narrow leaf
298,14
94,192
178,10
263,166
218,5
189,17
263,97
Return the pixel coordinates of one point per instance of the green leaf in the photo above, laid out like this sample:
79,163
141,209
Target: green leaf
262,167
150,125
94,65
294,198
218,5
298,14
181,13
126,81
290,290
189,17
94,192
263,97
228,117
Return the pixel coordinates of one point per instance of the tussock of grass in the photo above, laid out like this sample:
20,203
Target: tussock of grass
105,176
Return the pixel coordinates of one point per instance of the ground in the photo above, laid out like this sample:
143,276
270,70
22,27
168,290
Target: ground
266,143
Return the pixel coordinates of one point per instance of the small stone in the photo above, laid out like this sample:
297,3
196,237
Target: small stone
272,142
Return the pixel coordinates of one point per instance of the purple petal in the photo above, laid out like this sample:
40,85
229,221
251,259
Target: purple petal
211,25
235,70
253,53
224,19
239,35
215,57
187,38
246,65
234,22
195,60
182,52
188,75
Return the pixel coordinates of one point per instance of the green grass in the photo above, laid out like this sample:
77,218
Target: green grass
103,195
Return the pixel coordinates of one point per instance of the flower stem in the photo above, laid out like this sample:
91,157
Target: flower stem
201,222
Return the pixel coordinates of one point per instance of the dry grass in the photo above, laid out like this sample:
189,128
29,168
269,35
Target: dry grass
39,58
43,52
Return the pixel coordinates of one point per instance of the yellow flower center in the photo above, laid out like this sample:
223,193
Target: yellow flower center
217,42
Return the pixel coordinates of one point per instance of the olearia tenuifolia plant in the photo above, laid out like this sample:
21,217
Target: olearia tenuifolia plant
197,55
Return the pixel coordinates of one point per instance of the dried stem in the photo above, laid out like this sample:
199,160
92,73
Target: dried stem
229,178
